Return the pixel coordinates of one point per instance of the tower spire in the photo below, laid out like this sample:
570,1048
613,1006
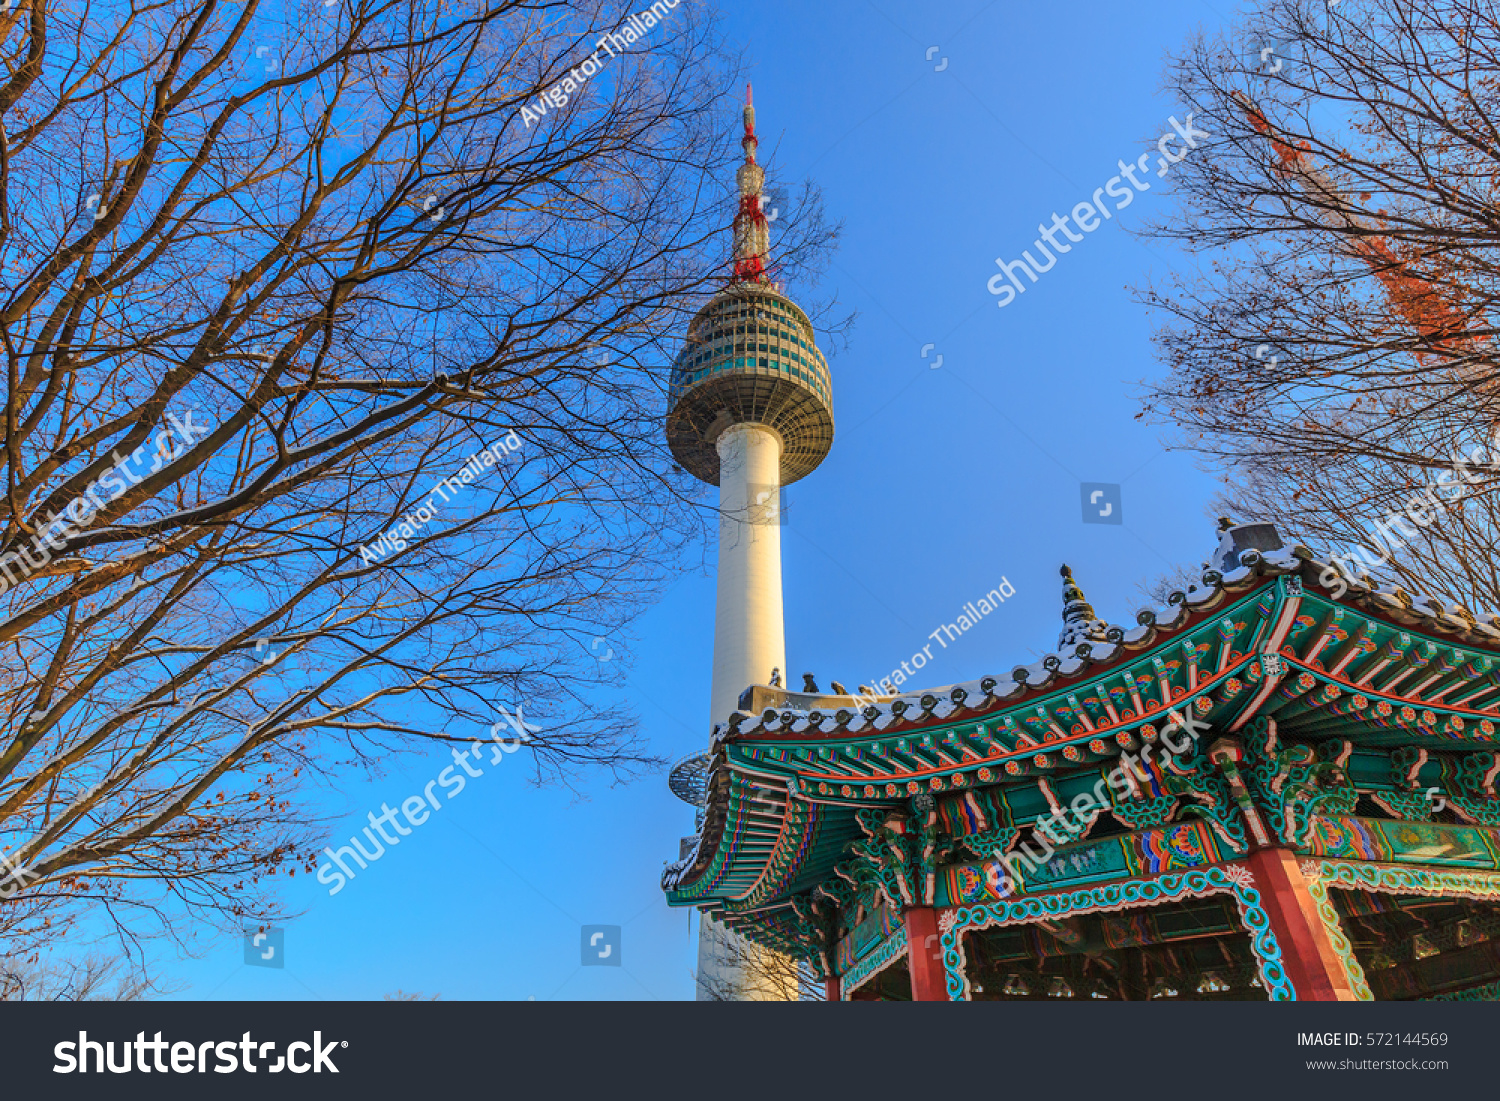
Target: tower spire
752,240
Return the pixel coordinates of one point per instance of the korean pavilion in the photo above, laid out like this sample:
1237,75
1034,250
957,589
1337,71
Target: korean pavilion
1298,802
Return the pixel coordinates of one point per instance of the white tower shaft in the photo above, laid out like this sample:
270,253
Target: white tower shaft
749,636
749,642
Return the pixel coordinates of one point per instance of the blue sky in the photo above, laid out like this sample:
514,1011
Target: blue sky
941,480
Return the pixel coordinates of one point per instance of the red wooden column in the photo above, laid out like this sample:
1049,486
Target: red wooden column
1307,953
831,988
1306,950
924,957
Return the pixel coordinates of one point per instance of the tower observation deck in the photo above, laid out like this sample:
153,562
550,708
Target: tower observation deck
751,358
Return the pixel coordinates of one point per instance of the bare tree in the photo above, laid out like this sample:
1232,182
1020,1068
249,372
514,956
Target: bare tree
741,970
1159,591
92,978
1333,353
333,390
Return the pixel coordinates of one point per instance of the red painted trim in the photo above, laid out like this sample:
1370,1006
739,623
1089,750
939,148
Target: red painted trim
1389,697
831,991
924,955
1154,711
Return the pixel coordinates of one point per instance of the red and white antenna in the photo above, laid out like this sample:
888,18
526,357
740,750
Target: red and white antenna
752,239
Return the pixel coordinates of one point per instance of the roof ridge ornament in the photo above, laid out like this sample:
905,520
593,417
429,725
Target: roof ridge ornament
1236,539
1081,624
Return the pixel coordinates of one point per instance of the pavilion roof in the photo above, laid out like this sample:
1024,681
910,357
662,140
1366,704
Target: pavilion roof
1261,633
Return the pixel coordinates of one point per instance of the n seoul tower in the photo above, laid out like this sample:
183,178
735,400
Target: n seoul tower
750,410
